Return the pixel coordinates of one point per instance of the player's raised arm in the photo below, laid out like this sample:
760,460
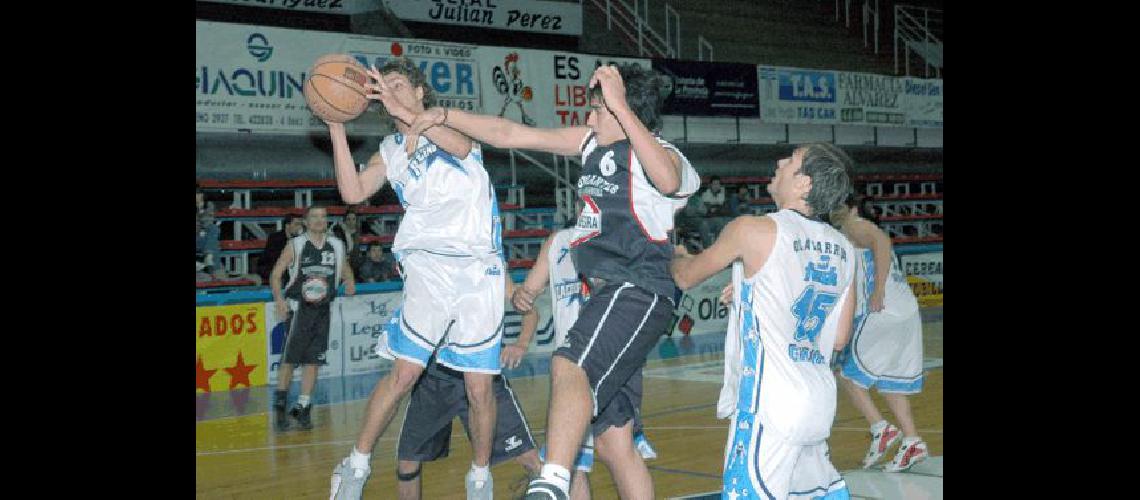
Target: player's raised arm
662,166
455,143
501,132
747,237
355,187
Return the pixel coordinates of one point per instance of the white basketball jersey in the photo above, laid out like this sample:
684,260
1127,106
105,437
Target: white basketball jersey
790,317
899,298
449,204
565,287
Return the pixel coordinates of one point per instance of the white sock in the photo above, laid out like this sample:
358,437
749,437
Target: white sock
907,441
359,460
878,427
557,475
480,473
303,400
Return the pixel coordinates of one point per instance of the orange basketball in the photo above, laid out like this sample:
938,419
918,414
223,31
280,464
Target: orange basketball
335,88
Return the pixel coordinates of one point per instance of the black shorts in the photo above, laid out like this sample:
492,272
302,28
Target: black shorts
623,407
436,400
614,333
307,336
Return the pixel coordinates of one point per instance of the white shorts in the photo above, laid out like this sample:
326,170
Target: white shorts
762,464
885,352
453,305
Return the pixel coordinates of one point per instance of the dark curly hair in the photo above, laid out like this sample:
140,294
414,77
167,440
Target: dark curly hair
406,67
644,92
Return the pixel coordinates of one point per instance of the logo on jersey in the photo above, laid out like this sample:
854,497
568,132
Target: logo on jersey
589,222
594,185
315,289
512,443
607,165
494,271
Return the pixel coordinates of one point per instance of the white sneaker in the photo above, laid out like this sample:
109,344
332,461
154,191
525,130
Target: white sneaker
348,483
479,490
907,456
881,442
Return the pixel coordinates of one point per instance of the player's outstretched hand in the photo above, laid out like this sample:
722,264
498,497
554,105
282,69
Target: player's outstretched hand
350,288
428,119
379,91
512,355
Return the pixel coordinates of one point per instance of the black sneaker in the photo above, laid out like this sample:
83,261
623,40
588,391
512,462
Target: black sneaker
303,415
280,421
541,489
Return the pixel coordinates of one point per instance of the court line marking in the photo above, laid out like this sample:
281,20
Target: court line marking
535,433
686,472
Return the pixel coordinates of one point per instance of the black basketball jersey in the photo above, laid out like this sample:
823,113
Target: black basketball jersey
625,227
314,272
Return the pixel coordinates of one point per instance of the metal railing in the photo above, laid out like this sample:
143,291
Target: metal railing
871,17
632,21
919,29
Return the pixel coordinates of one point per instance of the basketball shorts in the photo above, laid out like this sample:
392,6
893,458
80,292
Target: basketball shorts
307,337
434,403
453,305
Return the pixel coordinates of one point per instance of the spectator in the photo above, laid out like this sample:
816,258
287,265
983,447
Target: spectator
201,204
349,231
293,227
739,201
715,211
207,245
377,267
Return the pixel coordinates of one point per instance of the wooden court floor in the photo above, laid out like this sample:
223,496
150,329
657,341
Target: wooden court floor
241,457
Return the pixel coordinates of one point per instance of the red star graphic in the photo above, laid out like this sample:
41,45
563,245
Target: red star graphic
239,373
203,376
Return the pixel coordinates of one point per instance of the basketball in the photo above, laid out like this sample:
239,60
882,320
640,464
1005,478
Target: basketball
335,88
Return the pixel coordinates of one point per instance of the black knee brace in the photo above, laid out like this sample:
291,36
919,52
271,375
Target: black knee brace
409,476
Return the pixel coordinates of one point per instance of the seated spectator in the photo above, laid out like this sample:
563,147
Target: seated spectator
293,226
715,211
377,267
739,201
207,245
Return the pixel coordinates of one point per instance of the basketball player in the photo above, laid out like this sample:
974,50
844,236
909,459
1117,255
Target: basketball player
886,348
316,262
567,293
439,396
632,182
449,249
795,307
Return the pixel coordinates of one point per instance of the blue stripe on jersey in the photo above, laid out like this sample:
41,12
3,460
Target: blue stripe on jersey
399,188
444,157
749,342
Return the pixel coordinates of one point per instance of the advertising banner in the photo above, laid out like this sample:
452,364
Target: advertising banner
709,89
230,347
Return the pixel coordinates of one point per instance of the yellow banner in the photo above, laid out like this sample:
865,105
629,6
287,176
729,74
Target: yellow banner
230,349
928,292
